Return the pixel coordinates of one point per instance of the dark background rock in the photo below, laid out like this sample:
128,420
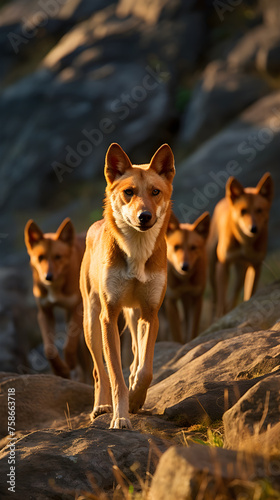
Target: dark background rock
221,95
17,315
244,55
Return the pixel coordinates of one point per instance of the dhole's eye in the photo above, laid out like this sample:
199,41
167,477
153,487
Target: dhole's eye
244,211
259,211
155,192
177,247
57,257
41,258
128,192
193,247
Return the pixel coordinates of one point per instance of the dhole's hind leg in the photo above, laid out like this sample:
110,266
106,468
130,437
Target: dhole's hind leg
146,337
240,272
93,337
132,317
47,325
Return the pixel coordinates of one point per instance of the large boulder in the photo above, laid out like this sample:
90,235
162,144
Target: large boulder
208,375
205,382
220,95
42,400
202,472
35,26
52,464
253,422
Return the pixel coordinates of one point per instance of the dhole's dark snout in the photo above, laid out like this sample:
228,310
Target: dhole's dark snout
49,276
185,267
144,217
254,229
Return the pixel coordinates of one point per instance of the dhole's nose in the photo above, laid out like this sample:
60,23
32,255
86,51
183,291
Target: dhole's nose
145,217
49,276
185,267
254,229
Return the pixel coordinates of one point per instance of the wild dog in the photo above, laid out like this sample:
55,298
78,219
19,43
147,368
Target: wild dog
187,274
125,268
238,237
55,259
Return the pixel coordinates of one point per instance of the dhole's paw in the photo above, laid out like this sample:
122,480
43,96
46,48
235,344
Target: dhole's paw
120,423
136,400
99,410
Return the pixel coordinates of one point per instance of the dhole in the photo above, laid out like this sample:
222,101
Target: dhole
187,274
238,236
55,259
125,268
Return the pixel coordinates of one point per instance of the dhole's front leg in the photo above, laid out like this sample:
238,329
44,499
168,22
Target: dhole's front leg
192,308
174,320
93,338
240,273
251,281
132,317
75,329
46,322
222,278
112,354
146,335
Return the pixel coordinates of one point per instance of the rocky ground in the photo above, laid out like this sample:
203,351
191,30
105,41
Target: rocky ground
203,76
227,381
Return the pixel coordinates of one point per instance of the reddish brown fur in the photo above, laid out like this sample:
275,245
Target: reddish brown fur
187,273
55,259
124,268
238,236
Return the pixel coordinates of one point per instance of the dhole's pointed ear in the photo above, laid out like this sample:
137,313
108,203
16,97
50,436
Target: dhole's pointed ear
116,163
234,189
66,231
202,225
173,223
163,162
265,187
32,234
